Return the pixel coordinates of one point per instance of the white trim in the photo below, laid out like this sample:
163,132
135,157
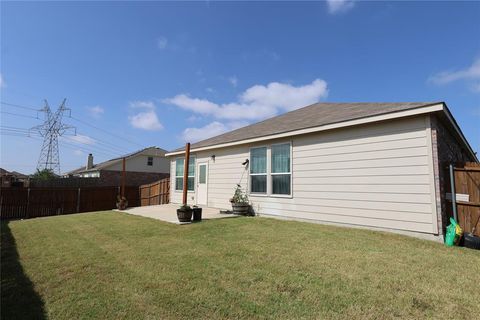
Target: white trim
269,174
431,172
198,164
266,174
175,177
393,115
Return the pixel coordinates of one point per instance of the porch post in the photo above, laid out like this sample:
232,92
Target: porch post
185,172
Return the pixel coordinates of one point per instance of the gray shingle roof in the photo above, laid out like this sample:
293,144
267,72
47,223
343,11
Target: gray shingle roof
315,115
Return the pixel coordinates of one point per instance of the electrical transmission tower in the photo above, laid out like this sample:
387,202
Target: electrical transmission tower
51,129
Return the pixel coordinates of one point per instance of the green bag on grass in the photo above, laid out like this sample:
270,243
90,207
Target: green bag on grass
451,236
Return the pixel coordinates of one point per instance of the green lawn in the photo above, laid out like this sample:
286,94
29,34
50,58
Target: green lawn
110,265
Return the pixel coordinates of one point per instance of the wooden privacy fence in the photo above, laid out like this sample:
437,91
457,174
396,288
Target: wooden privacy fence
155,193
467,185
21,203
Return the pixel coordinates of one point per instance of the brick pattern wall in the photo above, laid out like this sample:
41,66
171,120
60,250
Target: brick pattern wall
446,150
114,178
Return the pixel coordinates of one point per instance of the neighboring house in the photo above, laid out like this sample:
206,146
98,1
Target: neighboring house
12,179
144,166
377,165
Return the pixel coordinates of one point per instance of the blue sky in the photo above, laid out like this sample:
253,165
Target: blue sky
156,73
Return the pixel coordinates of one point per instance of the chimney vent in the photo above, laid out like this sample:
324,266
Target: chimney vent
89,162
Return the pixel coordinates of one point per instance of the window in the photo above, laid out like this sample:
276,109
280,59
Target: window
150,161
281,174
179,166
270,170
258,170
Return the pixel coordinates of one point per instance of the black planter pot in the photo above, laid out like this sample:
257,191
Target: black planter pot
197,214
184,215
240,208
471,241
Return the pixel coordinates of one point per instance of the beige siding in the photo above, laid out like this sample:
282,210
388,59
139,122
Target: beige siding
374,175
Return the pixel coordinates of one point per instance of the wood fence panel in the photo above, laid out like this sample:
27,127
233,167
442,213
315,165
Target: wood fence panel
467,181
155,193
20,203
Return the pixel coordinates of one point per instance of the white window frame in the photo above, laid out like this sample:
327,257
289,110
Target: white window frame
148,161
189,176
281,173
260,194
269,172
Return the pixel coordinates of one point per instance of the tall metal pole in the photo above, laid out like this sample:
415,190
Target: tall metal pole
185,172
454,196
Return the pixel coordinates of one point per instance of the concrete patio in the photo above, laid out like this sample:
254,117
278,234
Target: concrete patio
168,213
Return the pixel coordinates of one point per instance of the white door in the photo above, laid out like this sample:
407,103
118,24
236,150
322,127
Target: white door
202,183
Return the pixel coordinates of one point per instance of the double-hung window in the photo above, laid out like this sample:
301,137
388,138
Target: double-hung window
280,164
258,170
270,170
179,170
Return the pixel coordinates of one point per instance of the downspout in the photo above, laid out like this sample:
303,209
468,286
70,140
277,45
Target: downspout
452,188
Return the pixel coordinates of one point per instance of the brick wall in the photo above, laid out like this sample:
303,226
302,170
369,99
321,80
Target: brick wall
446,150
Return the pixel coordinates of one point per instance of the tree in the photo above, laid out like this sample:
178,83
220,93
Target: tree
44,174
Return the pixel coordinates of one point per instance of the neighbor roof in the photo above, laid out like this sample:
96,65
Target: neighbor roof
108,163
315,115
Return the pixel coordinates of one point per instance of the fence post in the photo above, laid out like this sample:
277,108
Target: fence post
28,203
453,192
78,199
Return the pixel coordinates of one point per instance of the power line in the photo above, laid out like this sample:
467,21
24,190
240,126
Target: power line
19,106
107,132
19,115
62,143
103,145
79,120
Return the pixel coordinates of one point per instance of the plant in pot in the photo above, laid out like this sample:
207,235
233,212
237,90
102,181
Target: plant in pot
122,202
240,203
184,213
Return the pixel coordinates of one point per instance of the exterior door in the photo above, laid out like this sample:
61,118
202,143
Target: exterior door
202,183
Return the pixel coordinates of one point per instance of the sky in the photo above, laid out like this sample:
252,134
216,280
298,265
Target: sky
138,74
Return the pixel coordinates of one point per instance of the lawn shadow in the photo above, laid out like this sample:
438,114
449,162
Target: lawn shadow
18,297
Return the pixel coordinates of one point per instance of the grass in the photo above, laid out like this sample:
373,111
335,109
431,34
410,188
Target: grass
116,266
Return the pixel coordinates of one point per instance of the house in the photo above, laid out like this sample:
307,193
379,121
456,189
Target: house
375,165
12,179
143,166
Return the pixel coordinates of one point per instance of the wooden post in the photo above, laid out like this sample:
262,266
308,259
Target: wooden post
185,172
123,177
78,200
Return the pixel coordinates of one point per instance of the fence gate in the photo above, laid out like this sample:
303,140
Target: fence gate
467,190
155,193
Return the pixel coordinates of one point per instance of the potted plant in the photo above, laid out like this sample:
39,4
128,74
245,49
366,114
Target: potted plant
240,204
197,213
122,202
184,213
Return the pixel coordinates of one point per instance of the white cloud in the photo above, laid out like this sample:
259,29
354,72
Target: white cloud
78,152
146,120
2,82
210,130
96,112
193,104
143,104
339,6
470,74
80,139
233,81
162,43
257,102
